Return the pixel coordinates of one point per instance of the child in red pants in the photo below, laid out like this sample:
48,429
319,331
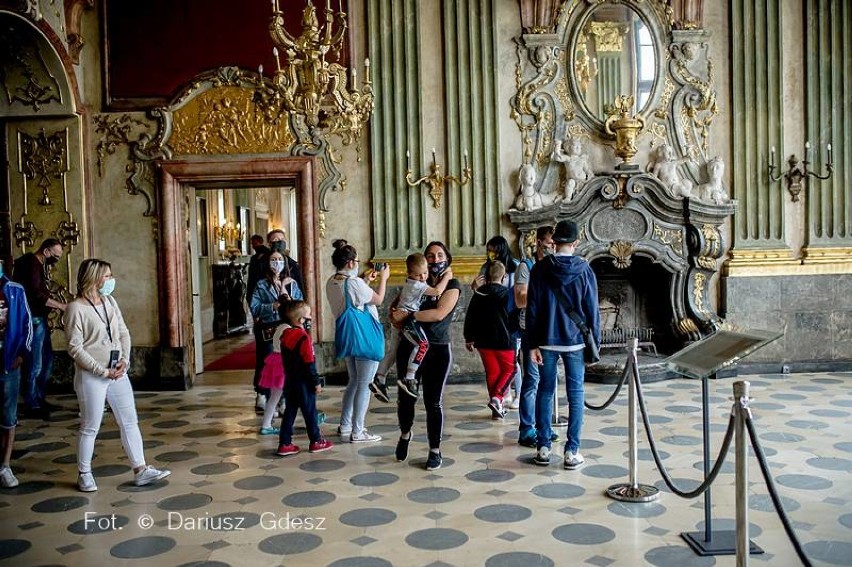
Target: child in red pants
486,328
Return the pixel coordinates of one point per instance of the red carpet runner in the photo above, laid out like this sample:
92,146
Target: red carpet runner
240,359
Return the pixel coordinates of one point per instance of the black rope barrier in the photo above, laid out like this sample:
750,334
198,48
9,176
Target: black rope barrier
720,460
773,493
614,395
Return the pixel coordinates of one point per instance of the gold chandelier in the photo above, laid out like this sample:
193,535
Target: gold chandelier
309,87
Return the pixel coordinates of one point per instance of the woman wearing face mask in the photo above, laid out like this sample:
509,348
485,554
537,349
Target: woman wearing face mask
99,344
278,243
435,316
276,287
356,398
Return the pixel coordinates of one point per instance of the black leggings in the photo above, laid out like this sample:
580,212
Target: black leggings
432,374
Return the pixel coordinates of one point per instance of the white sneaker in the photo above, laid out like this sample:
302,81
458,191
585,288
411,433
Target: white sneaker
542,458
149,474
573,460
260,402
516,402
364,437
7,478
86,482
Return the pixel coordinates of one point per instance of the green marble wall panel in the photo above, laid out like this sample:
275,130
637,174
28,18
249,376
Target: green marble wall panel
829,119
398,211
472,115
757,118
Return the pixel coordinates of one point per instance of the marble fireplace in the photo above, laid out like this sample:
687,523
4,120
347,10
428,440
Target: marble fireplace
654,255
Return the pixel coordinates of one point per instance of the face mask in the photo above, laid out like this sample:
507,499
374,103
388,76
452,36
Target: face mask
547,251
277,266
307,324
491,256
351,273
436,268
108,287
278,246
51,261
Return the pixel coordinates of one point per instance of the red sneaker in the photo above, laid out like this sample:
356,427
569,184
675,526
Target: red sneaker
321,445
286,450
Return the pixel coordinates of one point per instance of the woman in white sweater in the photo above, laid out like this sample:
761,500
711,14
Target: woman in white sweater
99,344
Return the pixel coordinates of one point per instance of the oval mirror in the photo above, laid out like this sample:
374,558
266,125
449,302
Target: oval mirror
613,54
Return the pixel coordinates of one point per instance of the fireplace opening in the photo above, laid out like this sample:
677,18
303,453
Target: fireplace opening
636,302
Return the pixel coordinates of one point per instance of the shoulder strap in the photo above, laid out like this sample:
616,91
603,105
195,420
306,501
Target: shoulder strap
560,295
346,297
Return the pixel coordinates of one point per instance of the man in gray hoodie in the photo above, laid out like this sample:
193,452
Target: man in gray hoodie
554,335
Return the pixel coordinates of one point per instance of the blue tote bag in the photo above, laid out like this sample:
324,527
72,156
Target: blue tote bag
357,333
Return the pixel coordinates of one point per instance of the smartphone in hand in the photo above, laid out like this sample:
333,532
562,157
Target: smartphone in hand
113,359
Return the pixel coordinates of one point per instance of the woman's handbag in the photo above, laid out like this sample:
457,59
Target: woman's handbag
357,333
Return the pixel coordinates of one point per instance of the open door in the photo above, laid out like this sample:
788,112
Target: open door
195,221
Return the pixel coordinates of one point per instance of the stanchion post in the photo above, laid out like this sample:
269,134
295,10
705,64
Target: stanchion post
741,408
633,491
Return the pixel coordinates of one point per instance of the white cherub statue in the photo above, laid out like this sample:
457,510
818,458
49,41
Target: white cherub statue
577,167
529,199
664,165
713,190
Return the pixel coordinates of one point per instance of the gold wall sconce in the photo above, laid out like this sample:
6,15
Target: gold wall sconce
798,170
436,180
228,232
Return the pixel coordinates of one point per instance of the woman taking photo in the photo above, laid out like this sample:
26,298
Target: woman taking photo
435,316
99,344
270,292
356,398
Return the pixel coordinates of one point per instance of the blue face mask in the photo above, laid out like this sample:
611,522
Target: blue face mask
108,287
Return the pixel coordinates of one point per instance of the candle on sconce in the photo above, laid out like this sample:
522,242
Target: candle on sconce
465,159
772,156
277,61
829,155
434,157
807,151
354,79
408,160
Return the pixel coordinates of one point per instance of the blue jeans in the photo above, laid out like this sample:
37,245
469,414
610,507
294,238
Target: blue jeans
575,372
529,387
356,397
10,383
298,396
38,365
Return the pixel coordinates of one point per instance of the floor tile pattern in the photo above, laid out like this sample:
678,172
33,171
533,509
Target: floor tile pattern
231,501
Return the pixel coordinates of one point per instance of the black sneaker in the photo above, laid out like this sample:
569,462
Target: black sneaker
434,461
380,390
410,386
402,449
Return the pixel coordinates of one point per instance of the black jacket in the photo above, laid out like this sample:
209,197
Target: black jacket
486,323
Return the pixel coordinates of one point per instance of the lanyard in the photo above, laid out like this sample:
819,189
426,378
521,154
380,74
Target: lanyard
104,319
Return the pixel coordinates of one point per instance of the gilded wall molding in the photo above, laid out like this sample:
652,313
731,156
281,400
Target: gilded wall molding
73,14
24,72
115,131
44,158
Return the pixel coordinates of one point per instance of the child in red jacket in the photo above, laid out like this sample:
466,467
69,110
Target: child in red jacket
302,384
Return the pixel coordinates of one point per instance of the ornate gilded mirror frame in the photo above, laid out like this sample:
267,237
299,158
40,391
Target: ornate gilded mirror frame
548,108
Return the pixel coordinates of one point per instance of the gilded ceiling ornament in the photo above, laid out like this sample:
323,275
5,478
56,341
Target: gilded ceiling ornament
223,120
114,131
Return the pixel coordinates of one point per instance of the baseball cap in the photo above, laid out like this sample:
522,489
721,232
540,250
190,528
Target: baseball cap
566,232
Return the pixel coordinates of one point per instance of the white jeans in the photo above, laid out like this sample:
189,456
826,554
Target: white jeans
356,398
92,391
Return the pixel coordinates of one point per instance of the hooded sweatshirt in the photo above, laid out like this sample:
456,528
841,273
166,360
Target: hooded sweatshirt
486,323
547,321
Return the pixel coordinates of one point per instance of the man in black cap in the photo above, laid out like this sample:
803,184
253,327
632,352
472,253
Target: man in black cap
553,334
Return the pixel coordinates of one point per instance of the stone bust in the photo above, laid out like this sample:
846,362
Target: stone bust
714,190
529,199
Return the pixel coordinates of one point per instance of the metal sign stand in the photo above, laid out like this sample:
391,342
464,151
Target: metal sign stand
702,360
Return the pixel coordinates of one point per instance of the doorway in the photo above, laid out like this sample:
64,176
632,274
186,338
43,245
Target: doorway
180,185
